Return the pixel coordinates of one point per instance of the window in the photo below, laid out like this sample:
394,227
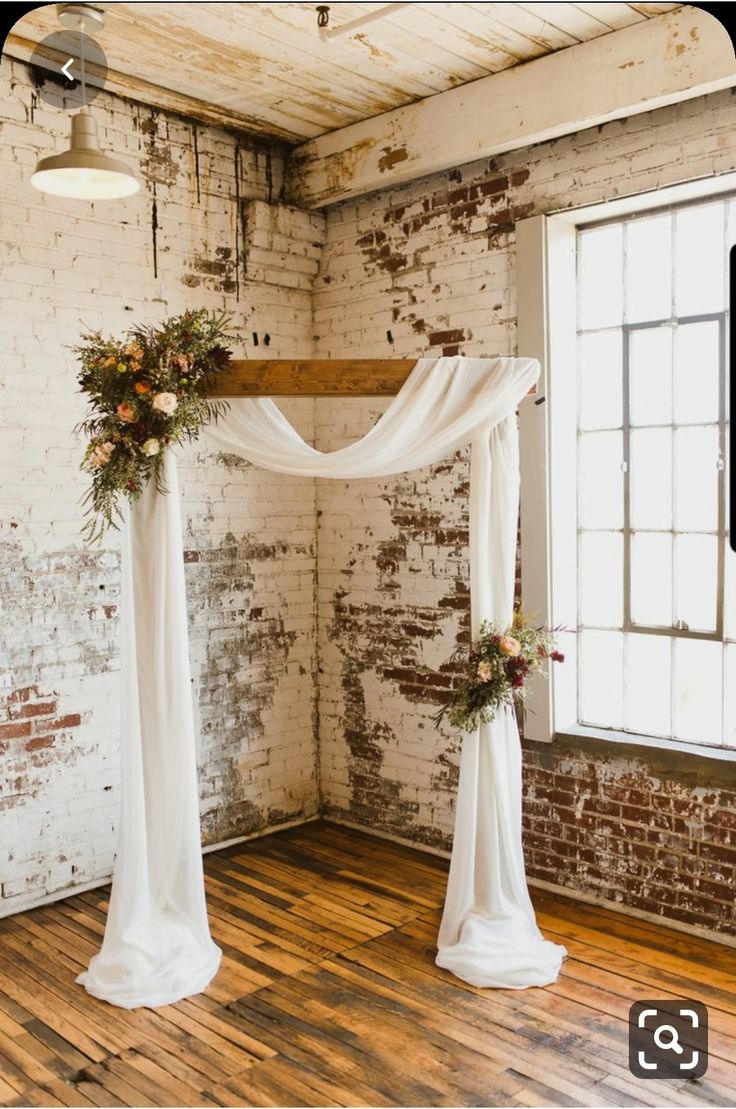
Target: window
656,595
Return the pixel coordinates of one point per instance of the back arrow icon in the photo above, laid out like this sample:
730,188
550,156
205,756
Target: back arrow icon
65,68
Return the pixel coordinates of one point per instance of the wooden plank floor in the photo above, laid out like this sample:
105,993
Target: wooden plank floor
328,995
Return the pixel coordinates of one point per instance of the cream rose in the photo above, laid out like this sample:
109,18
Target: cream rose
485,671
164,402
507,645
151,447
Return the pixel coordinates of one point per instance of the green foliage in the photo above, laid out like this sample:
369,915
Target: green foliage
495,670
146,392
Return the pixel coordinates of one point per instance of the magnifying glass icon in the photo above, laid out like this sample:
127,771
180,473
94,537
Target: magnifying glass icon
672,1043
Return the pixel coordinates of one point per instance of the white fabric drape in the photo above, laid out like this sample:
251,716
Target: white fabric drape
157,946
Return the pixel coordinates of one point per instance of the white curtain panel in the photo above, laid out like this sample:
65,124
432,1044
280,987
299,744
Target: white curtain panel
157,946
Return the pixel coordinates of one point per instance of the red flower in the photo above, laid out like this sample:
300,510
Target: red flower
557,656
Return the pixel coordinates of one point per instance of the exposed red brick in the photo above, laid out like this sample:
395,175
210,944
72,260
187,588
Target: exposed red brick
40,741
43,708
14,731
72,720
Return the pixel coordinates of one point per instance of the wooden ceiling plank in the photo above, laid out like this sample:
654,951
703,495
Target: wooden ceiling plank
617,74
335,55
414,33
483,33
334,90
569,18
614,16
438,21
653,10
141,72
148,94
388,46
517,19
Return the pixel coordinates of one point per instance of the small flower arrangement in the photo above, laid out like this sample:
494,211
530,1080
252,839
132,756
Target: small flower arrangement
495,670
146,392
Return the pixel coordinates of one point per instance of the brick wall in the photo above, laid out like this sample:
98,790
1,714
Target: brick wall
429,267
206,230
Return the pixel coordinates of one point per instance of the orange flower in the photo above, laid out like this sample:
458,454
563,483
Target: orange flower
142,387
126,412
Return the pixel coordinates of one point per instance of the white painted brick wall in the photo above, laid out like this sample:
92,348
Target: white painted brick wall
249,536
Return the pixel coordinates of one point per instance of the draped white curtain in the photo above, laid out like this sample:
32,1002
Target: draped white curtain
157,946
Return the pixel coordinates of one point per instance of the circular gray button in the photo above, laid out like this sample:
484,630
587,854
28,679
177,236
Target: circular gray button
56,66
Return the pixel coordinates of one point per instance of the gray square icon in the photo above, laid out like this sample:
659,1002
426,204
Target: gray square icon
668,1039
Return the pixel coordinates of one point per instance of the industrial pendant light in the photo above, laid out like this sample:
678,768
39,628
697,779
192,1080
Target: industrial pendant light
84,171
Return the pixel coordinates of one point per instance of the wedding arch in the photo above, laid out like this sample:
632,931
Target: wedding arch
157,946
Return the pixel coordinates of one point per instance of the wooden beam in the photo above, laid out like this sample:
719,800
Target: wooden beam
315,377
311,377
675,56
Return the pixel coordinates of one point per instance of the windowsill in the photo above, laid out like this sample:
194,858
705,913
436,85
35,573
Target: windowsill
724,754
690,762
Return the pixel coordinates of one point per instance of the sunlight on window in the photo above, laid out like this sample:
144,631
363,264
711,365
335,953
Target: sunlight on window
656,588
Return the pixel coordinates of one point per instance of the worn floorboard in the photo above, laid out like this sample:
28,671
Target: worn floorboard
329,995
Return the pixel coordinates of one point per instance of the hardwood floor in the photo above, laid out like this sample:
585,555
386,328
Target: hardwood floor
328,995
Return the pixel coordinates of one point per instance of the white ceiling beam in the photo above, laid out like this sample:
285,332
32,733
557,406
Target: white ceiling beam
675,56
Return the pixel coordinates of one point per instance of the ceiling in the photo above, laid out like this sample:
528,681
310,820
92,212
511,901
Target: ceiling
264,68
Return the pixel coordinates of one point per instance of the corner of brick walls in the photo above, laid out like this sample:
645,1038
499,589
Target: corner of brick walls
428,268
207,229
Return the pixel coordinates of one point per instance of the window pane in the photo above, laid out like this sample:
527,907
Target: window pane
601,678
649,684
699,260
601,393
651,479
651,579
696,373
601,480
650,376
729,677
600,277
696,479
698,690
696,581
649,269
601,573
729,584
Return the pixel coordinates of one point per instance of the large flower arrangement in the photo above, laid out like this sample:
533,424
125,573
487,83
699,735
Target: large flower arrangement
146,392
495,670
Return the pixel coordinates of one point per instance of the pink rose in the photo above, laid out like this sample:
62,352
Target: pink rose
126,412
100,454
507,645
164,402
485,671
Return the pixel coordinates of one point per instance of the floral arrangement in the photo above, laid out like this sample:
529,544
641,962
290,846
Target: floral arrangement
146,392
495,670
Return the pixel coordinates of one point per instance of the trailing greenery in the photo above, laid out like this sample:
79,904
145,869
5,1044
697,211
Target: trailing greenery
146,391
494,671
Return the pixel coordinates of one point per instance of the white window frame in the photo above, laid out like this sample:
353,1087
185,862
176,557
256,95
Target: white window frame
546,298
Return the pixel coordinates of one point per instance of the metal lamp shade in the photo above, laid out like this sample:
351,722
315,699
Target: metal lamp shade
83,171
